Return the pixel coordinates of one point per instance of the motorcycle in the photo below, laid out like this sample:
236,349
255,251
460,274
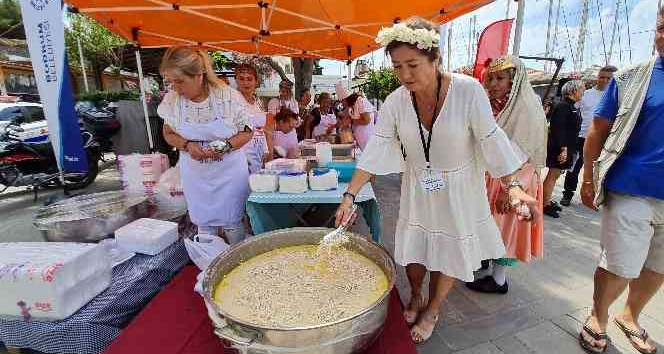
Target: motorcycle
24,164
101,121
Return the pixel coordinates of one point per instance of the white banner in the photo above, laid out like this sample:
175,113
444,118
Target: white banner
44,31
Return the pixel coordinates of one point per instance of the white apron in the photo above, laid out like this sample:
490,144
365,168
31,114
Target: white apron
257,146
362,133
325,121
216,191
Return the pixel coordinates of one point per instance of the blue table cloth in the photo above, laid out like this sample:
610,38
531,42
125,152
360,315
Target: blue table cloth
99,322
273,211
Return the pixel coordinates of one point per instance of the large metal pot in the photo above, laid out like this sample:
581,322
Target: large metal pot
90,217
348,335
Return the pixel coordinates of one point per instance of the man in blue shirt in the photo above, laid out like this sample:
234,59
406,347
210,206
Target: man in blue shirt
632,235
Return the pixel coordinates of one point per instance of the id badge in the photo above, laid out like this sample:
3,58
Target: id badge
431,181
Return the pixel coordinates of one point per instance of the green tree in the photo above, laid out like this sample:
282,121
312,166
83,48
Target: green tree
10,20
380,83
303,70
220,61
99,45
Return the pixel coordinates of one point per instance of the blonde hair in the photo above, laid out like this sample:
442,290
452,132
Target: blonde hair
191,62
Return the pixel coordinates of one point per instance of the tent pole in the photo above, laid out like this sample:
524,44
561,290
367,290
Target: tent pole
350,75
442,43
82,61
449,47
143,100
519,28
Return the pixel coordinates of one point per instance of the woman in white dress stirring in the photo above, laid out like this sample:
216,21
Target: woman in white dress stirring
445,224
197,110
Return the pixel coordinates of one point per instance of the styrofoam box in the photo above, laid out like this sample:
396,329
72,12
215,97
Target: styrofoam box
147,236
287,164
293,183
50,281
323,179
264,182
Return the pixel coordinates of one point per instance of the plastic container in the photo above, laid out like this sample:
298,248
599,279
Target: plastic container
344,168
323,179
323,153
147,236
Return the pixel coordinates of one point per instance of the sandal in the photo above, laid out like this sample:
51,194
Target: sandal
411,315
589,348
642,335
419,335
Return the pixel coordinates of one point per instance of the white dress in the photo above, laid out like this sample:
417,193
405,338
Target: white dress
450,230
216,190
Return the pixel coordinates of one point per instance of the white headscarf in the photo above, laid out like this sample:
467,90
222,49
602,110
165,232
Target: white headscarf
523,118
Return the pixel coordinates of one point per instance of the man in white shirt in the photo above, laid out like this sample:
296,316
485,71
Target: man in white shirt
587,108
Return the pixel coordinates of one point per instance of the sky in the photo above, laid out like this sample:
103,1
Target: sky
601,19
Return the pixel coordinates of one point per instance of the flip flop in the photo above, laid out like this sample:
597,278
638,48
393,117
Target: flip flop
589,348
419,335
642,335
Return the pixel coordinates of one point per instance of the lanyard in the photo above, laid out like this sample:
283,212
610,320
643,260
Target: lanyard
426,145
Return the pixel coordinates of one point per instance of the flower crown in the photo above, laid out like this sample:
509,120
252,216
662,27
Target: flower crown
420,37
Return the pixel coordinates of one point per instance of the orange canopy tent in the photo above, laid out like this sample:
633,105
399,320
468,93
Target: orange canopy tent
328,29
324,29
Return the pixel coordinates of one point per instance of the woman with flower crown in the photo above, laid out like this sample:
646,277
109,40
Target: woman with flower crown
438,130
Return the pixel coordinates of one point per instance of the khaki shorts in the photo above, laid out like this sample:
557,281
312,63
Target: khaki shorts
632,235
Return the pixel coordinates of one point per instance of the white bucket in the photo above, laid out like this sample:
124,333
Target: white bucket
323,153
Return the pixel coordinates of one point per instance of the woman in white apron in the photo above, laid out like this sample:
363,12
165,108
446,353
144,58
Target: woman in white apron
286,100
259,149
200,109
362,114
324,121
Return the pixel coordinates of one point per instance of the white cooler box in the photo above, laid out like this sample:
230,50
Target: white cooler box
50,280
147,236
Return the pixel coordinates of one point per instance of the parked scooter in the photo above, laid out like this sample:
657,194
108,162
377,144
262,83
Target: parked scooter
34,164
101,121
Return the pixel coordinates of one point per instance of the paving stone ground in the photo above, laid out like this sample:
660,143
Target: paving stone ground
541,314
548,299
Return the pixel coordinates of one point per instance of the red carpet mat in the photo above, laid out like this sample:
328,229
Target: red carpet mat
176,322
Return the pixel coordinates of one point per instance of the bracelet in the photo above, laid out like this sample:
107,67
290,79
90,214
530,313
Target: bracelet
349,194
515,183
588,182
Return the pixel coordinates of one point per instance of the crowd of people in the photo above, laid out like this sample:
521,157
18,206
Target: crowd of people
471,156
200,108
